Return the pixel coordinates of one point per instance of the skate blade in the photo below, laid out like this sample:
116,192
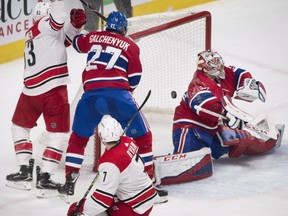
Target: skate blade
21,185
65,198
163,199
46,193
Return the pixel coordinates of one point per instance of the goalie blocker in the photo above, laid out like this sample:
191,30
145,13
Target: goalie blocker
180,168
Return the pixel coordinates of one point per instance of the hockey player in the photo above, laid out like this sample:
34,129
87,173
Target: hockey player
112,73
196,120
120,174
45,92
202,129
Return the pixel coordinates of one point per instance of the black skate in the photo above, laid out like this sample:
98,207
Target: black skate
67,190
45,186
163,195
22,179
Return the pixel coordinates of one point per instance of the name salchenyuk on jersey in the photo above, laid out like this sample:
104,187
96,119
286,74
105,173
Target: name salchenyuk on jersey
109,40
113,60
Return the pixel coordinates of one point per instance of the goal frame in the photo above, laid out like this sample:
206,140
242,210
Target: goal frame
181,21
153,30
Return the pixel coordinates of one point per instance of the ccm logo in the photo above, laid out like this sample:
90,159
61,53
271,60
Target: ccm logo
174,157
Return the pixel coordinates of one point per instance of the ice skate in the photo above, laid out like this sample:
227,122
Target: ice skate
163,195
67,190
22,179
45,186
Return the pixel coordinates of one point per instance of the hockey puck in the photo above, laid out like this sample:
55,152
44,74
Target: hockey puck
173,94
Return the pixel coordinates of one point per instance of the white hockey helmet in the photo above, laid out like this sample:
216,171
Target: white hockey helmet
41,9
109,129
211,63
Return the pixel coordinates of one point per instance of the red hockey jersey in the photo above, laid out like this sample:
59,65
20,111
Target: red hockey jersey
207,93
113,60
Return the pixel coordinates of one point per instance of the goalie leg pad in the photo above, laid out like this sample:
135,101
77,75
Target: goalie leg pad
242,142
263,128
238,140
270,144
185,167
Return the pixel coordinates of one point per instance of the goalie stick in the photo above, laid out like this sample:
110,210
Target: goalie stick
94,10
272,134
124,131
234,110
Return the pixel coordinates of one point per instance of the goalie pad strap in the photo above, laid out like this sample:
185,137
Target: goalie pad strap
179,168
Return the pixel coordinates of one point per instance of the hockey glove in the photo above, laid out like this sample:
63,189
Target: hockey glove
261,91
77,17
76,208
232,121
251,90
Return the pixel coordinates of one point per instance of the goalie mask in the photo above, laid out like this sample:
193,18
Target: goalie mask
109,129
212,64
41,9
116,21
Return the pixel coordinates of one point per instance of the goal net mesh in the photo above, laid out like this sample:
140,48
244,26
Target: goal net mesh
169,43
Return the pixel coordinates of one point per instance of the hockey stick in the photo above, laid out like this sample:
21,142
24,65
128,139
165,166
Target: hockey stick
234,110
198,108
269,133
124,131
88,191
94,10
135,114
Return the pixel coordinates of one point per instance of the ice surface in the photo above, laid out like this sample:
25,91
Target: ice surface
249,34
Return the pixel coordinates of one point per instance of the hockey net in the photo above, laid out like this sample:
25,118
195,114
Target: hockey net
169,43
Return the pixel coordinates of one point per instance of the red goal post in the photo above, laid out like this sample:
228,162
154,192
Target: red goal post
169,43
193,17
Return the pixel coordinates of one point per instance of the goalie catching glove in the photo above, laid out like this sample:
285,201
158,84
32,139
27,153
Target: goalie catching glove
77,18
251,90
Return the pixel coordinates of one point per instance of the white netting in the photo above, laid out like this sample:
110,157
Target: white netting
168,51
168,57
137,24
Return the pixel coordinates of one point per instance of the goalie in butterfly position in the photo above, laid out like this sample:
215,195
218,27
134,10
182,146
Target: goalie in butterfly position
197,126
45,92
120,174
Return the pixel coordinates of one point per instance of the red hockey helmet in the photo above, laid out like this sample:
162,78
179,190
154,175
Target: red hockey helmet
211,63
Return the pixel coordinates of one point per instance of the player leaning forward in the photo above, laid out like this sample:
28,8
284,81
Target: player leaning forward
207,123
45,92
121,174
